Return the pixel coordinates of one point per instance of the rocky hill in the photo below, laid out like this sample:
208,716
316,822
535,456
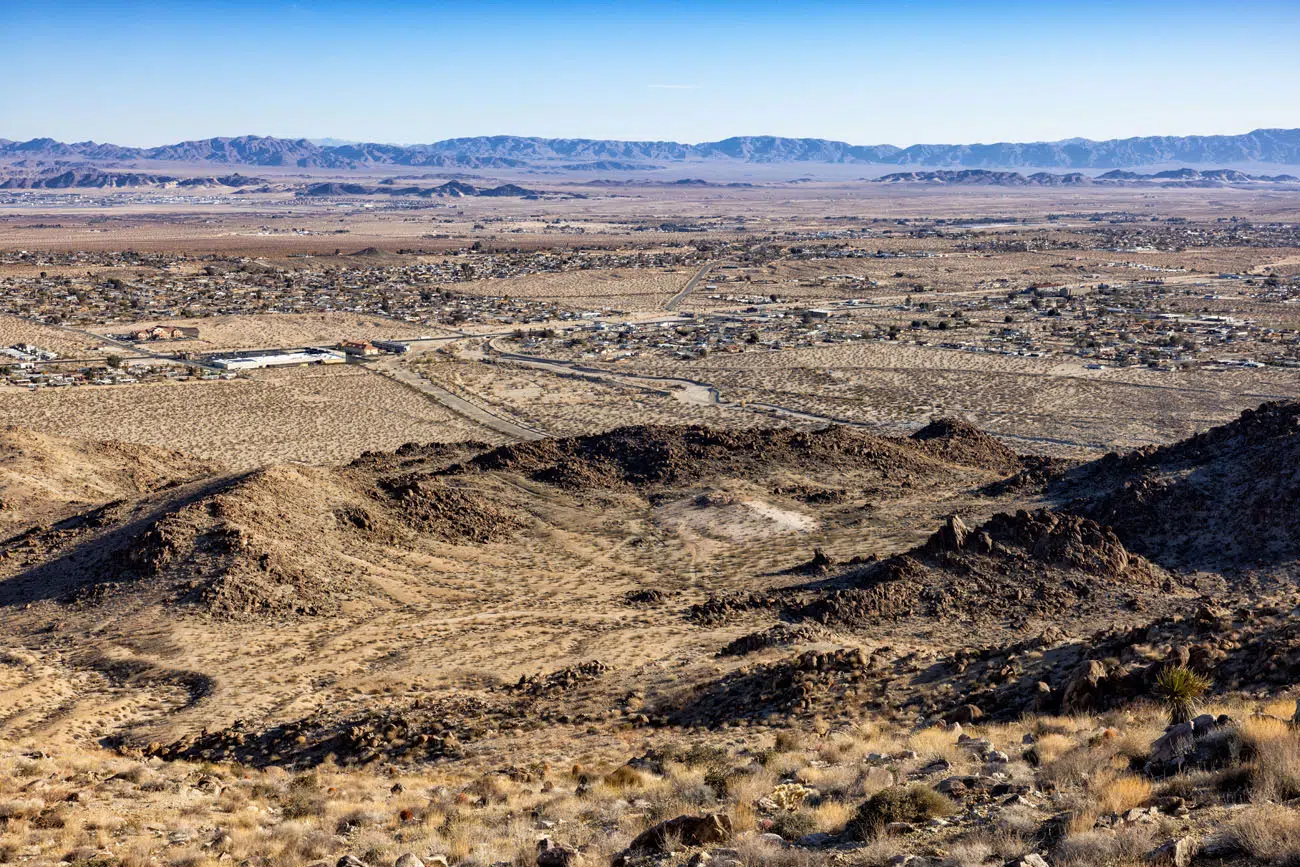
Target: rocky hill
92,178
1185,177
653,457
1223,499
293,540
451,189
620,642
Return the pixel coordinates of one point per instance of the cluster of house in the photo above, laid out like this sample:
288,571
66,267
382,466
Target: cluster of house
116,198
695,335
166,287
71,375
159,332
1157,325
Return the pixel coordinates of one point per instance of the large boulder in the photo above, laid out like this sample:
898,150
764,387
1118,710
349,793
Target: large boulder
1084,688
964,715
1170,751
951,536
550,854
703,830
1030,860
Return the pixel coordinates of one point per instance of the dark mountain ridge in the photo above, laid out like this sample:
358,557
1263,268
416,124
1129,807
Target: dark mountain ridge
1273,146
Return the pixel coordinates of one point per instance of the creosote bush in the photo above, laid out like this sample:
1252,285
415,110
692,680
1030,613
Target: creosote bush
911,804
792,826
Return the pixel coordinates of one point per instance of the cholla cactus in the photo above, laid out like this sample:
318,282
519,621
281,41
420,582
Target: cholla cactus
790,796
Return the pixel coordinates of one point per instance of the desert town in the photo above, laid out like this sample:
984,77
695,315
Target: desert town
1168,295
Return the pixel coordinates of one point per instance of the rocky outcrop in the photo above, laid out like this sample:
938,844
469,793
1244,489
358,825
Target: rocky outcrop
1223,499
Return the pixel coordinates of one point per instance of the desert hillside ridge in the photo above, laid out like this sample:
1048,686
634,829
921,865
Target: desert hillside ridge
656,646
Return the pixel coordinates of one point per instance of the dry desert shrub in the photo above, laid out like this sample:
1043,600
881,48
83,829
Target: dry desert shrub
1104,755
1003,843
969,852
786,764
841,748
1126,846
303,798
1051,746
1269,833
756,852
912,804
794,824
1273,748
832,817
750,787
936,743
837,781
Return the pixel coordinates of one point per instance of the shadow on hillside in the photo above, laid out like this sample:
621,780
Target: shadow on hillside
91,550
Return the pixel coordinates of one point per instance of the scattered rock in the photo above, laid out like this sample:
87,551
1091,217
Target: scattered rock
1174,853
1030,860
550,854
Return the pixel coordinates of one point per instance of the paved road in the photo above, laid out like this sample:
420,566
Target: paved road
475,413
673,302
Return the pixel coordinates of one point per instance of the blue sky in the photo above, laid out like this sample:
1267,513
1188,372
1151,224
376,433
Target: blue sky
902,72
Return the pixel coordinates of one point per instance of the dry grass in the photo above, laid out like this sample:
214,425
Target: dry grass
316,415
1123,793
936,743
599,805
1270,833
1120,848
1274,751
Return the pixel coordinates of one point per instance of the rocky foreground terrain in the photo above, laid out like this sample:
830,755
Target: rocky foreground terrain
655,646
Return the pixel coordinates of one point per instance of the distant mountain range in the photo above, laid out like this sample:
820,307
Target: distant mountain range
1270,146
1117,177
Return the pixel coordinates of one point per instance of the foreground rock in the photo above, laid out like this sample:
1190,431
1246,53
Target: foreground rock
705,830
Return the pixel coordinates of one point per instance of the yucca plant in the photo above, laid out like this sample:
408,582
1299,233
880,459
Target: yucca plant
1180,690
